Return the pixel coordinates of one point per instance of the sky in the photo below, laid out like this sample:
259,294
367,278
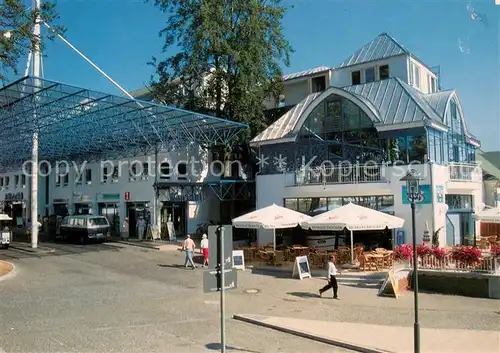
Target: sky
462,37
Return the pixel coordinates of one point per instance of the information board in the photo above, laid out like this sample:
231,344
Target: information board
211,282
390,287
301,267
212,246
238,260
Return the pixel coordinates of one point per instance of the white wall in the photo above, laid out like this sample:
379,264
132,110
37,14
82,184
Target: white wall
398,67
270,188
424,77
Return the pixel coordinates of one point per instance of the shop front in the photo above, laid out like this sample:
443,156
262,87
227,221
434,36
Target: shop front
139,218
60,207
82,204
14,205
108,205
175,204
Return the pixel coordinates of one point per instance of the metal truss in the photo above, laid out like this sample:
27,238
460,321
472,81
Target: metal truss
227,190
80,124
223,190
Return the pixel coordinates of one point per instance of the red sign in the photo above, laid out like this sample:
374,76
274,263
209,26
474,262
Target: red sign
127,196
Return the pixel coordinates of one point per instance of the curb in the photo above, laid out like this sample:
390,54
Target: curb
31,250
329,341
139,245
11,274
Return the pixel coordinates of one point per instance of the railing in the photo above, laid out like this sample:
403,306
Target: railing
350,174
489,264
465,172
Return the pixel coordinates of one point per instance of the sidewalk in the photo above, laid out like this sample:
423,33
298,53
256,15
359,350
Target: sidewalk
156,245
381,339
26,247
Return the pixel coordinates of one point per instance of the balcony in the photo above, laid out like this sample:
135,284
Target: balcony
349,174
465,172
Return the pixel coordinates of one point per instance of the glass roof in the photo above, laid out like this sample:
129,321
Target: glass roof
78,123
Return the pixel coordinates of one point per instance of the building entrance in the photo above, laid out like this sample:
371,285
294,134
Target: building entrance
138,219
174,212
112,212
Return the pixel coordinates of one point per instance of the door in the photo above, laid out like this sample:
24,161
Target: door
132,221
453,229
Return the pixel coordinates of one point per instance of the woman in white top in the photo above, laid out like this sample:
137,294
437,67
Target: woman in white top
204,249
332,280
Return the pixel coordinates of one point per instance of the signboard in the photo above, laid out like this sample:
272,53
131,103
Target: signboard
126,196
400,237
155,232
439,194
211,282
60,201
110,197
171,231
390,287
212,246
425,195
18,196
301,267
238,259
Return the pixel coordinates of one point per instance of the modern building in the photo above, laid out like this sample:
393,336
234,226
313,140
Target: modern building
383,112
118,157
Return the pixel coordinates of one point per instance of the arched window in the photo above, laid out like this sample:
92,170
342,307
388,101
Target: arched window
165,171
345,128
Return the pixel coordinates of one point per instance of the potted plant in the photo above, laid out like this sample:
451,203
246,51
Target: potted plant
435,238
495,250
466,255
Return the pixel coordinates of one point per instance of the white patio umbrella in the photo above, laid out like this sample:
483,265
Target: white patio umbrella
491,215
270,217
4,217
353,217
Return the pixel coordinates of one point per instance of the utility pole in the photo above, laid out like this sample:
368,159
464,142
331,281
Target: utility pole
37,61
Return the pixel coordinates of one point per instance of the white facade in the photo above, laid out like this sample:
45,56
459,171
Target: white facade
278,187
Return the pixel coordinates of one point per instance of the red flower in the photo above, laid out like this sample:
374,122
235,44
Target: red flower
403,252
495,250
423,250
439,253
466,254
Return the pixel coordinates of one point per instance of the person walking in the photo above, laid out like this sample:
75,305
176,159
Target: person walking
188,246
125,229
141,227
204,249
332,280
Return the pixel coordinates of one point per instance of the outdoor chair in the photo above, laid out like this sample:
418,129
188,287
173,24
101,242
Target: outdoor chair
367,263
278,259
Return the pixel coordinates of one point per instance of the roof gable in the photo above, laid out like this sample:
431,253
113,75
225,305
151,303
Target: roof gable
383,46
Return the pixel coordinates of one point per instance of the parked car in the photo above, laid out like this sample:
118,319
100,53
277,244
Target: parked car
83,228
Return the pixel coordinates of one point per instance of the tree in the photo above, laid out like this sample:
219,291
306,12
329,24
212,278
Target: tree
16,31
229,57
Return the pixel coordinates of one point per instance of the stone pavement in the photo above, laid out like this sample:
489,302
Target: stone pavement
381,339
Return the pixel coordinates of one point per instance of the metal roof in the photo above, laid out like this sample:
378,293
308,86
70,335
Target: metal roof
305,73
282,127
383,46
396,101
78,123
438,100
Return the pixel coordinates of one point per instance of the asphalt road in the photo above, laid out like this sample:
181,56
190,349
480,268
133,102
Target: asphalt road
118,298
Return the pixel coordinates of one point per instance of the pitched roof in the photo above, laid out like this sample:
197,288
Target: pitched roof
396,101
305,73
438,100
493,157
286,124
383,46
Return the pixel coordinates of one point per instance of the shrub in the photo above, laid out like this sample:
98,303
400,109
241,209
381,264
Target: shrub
439,253
403,252
467,254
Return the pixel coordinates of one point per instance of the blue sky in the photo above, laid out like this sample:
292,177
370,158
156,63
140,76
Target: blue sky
121,36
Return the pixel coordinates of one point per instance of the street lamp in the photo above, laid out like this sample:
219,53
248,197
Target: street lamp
414,194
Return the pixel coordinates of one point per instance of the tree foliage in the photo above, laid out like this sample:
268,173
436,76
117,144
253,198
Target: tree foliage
16,31
228,57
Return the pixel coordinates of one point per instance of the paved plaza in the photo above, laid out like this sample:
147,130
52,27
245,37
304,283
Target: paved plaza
120,298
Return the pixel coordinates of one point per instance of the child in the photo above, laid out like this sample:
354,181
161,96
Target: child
332,280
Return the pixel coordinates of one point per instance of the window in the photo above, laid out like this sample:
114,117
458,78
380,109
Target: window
432,84
356,77
66,179
145,171
16,181
370,75
318,84
383,72
116,175
98,221
132,172
453,110
165,170
1,183
104,176
181,171
58,180
23,181
417,76
281,101
291,204
88,176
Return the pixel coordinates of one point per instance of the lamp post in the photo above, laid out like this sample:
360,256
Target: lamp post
413,194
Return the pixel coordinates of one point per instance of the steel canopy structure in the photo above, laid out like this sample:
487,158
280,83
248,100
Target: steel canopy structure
80,124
